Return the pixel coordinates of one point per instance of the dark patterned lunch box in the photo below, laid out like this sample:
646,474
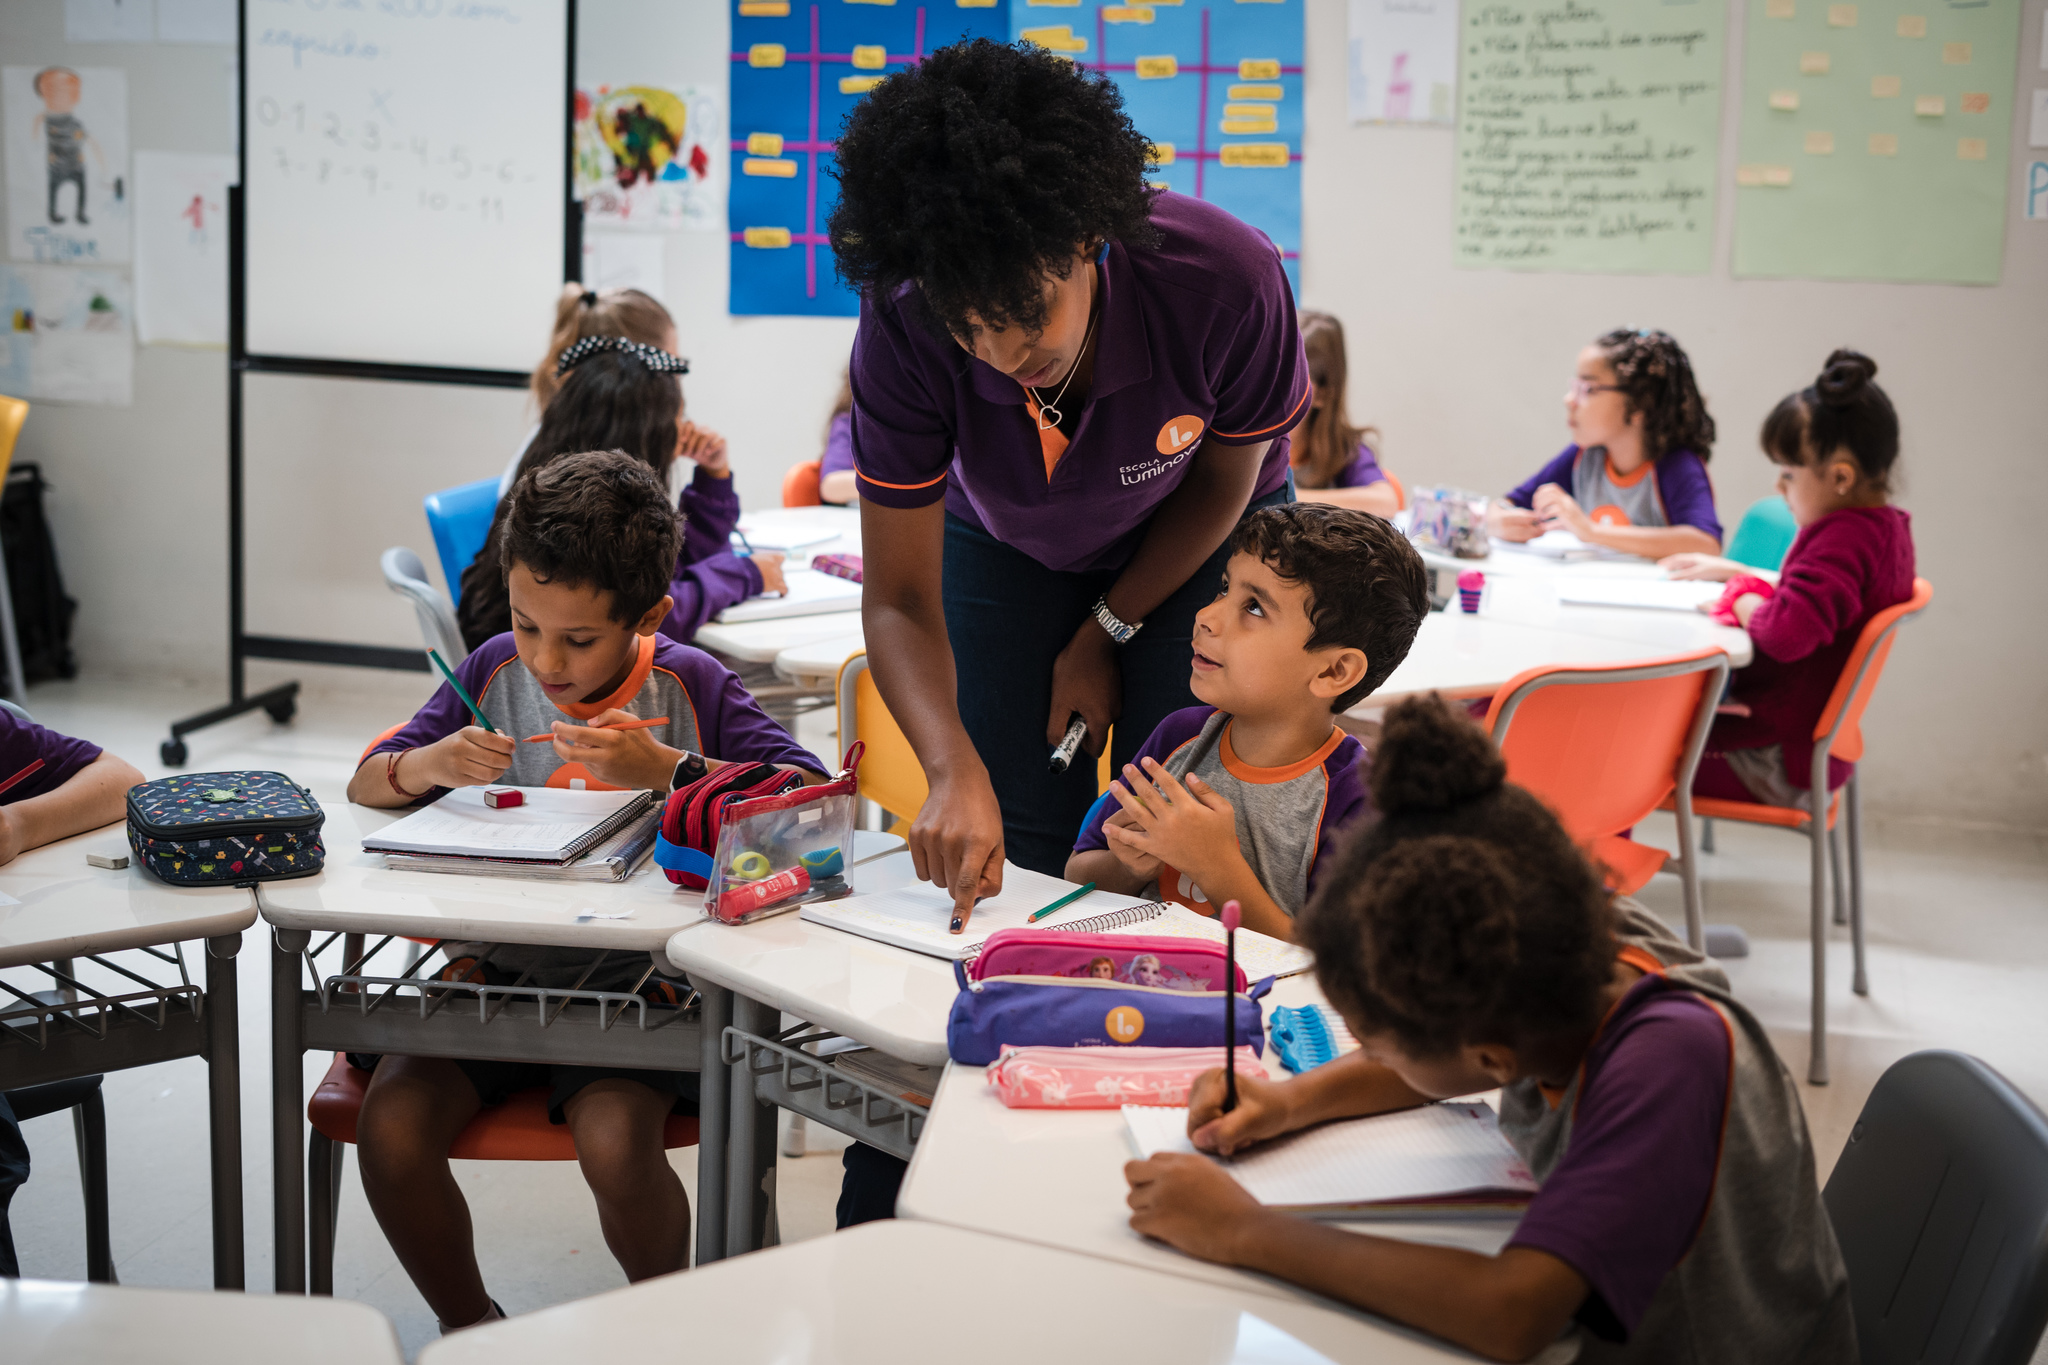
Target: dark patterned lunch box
203,829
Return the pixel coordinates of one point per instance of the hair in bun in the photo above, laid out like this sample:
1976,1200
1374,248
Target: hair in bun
1464,913
1842,410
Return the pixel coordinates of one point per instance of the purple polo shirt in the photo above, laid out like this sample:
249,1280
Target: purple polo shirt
838,445
1198,341
1682,486
1625,1201
22,742
1361,472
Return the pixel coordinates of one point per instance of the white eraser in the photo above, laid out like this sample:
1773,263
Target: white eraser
113,862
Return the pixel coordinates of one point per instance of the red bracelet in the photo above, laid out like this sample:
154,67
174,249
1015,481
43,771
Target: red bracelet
391,775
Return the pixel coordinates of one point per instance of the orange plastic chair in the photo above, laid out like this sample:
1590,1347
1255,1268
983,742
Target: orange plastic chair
1839,733
1400,491
517,1130
890,775
1605,745
800,484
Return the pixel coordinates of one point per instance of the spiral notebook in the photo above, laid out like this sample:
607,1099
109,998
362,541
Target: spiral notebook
550,826
916,917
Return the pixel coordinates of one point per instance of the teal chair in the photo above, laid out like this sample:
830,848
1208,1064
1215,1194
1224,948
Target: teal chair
460,519
1765,534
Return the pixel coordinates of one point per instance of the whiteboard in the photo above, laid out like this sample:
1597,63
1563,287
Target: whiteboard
405,182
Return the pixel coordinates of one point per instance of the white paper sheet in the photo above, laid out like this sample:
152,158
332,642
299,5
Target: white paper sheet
547,823
811,593
1440,1149
1651,593
181,247
195,21
109,21
67,335
918,917
624,260
1404,61
67,143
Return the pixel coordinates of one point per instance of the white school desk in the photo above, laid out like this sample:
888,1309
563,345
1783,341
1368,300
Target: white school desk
356,896
55,907
1473,655
897,1293
1055,1177
758,642
816,663
50,1322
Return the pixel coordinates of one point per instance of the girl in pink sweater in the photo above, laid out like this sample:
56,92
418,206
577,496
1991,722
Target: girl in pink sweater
1835,443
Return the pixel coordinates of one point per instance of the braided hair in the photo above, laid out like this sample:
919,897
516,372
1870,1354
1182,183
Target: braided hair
1655,378
1842,409
1465,914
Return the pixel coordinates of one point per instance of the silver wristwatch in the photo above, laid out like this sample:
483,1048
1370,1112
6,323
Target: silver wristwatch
1119,631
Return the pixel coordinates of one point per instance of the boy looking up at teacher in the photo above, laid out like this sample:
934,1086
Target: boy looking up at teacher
588,544
1240,798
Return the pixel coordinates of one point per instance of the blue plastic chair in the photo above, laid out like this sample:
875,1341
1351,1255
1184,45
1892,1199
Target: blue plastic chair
1766,532
460,519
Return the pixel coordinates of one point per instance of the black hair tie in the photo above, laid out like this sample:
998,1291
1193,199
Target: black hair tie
655,359
589,299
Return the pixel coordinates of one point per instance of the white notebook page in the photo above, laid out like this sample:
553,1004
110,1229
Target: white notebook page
546,823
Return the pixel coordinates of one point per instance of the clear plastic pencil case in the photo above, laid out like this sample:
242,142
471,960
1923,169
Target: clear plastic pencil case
779,851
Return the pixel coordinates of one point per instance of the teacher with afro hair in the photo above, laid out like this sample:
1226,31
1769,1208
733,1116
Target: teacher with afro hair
1068,388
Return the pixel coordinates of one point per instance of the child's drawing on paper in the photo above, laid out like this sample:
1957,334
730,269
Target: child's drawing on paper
67,163
68,335
647,158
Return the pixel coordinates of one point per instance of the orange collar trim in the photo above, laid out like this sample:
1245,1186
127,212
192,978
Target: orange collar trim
1642,471
1245,772
636,678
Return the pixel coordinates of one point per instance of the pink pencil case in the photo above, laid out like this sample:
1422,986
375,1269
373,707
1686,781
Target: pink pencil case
1165,963
1106,1077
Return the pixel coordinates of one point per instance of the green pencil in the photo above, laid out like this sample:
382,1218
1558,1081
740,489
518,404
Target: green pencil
1067,899
463,693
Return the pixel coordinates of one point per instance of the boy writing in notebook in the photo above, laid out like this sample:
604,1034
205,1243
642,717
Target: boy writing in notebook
1240,798
588,545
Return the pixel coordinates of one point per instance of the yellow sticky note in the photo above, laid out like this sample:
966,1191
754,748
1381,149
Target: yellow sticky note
975,4
870,56
764,144
1820,144
764,9
1884,144
1841,16
1254,70
1955,54
1258,92
1160,184
1813,63
769,166
1162,153
1749,177
1053,4
1059,39
766,54
1884,87
1249,111
1254,154
1976,102
1127,14
1778,9
1929,106
870,2
1971,148
1157,68
1777,177
1242,126
1912,26
765,237
859,85
1785,99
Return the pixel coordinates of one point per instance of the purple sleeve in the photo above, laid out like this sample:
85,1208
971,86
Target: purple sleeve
1346,804
702,590
1261,376
902,436
1625,1201
23,742
1687,492
1361,472
711,508
733,726
1176,730
1558,471
1820,593
838,445
444,712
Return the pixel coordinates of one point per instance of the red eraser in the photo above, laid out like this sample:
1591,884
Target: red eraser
503,798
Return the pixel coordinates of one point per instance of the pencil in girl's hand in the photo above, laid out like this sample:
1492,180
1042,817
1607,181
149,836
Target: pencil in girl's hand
1233,915
622,725
30,771
462,692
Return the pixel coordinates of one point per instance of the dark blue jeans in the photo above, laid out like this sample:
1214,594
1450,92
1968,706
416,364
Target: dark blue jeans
1009,617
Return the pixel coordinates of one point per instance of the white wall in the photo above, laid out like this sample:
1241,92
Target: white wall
1461,370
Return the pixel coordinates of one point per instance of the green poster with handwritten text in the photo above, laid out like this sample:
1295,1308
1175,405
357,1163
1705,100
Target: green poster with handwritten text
1874,139
1588,134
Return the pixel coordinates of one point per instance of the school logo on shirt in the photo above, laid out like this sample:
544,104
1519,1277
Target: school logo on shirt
1608,514
1179,434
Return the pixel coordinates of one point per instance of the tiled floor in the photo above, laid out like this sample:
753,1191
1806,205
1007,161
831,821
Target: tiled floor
1958,959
